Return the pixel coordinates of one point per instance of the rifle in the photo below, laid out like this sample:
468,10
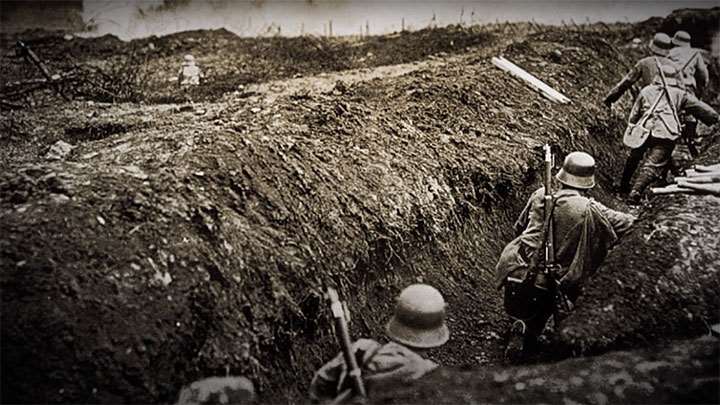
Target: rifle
339,312
550,269
24,51
689,142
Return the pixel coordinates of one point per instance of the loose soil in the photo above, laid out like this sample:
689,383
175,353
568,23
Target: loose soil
178,241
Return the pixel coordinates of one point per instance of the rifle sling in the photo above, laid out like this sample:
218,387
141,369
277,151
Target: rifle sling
692,58
535,260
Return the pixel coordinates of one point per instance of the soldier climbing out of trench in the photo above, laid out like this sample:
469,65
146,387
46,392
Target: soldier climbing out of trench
655,122
642,74
695,77
562,238
418,324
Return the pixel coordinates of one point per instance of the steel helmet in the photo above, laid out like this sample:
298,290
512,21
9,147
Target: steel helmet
661,44
681,38
578,171
419,319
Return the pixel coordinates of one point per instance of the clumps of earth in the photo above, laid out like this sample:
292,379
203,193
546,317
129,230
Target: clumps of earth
150,241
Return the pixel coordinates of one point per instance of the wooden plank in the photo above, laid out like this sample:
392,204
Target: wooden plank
532,81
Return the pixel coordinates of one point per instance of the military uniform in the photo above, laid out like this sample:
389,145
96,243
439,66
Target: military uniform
641,74
584,232
692,67
664,127
694,73
418,322
380,364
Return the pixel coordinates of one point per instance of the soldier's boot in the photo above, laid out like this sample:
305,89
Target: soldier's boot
516,350
644,179
631,164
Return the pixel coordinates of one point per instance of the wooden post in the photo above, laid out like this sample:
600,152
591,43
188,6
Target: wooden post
402,25
367,28
530,80
330,28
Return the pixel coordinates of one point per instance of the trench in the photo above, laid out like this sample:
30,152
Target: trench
251,226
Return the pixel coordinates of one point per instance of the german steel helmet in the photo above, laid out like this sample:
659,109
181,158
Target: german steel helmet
681,38
419,319
578,171
661,44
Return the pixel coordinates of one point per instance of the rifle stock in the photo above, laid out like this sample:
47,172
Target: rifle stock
354,373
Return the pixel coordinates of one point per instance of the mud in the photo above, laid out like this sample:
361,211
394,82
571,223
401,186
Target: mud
683,372
179,241
663,278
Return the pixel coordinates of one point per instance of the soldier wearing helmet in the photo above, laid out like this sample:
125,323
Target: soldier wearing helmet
584,230
418,324
691,63
663,112
645,69
694,72
190,73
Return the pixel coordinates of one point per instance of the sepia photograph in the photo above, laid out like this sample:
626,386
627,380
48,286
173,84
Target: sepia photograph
237,202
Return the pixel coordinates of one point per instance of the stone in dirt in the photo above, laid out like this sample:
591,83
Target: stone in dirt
59,151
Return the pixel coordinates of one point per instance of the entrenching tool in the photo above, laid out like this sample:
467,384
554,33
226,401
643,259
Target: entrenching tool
636,134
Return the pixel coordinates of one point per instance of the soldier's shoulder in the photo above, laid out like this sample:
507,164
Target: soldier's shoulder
366,344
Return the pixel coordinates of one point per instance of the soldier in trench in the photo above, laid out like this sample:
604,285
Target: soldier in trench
418,324
694,73
663,111
642,74
584,231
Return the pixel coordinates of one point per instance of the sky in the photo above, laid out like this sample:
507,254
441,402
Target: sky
138,18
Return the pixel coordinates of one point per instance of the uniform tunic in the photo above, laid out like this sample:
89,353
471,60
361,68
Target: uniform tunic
379,363
692,65
664,128
584,232
642,73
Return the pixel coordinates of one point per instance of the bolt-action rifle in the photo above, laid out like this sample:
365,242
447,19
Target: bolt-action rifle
354,373
550,268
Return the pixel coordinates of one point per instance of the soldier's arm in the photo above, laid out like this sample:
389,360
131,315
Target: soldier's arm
700,110
627,81
524,218
701,74
621,222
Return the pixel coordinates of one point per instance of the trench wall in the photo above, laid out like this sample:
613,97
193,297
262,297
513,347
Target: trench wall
199,245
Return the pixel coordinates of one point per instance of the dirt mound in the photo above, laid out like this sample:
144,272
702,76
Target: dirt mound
663,278
681,372
107,69
199,244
